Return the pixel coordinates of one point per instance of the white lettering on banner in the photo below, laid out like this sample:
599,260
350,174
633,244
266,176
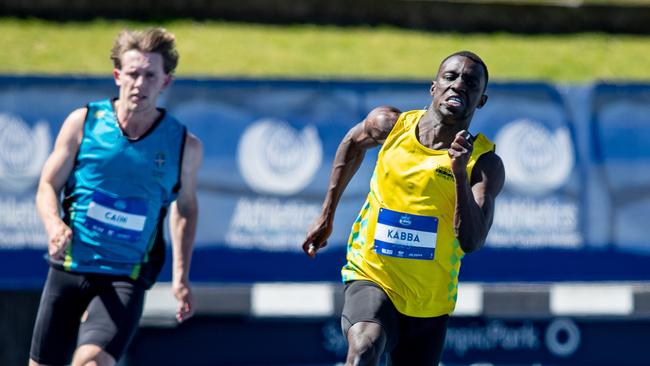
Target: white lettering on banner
494,335
20,226
117,218
401,236
270,224
530,223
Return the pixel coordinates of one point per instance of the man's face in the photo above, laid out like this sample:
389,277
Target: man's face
141,79
458,88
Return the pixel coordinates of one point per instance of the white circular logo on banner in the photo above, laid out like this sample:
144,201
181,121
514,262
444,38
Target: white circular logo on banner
22,152
275,158
562,337
536,159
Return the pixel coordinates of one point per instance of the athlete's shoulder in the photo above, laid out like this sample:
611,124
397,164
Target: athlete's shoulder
409,118
170,119
171,127
100,112
75,121
193,143
78,114
489,165
381,121
491,159
193,151
102,103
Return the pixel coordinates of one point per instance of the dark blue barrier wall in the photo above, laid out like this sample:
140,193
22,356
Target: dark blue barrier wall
318,341
573,208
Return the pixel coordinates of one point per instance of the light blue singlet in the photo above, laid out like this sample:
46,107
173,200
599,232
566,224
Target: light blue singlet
119,190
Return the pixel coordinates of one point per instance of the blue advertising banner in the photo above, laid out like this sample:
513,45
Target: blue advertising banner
576,165
469,341
620,125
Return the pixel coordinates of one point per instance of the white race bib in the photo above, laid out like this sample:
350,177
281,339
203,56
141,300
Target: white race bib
403,235
117,218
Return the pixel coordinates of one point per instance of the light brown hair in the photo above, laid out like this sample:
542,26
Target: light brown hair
155,40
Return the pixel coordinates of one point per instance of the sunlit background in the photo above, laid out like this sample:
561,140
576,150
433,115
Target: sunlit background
271,87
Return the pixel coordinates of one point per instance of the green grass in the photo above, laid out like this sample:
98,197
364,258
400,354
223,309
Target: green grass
306,51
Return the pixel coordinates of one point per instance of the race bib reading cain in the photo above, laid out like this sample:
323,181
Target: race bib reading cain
116,218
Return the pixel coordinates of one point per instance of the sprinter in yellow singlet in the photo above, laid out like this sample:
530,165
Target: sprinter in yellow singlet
431,201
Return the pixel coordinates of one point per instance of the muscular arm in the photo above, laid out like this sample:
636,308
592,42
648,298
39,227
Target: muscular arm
475,201
370,132
182,226
55,173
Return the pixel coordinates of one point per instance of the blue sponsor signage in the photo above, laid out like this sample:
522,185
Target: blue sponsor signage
572,207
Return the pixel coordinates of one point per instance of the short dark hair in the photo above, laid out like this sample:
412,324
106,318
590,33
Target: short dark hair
472,56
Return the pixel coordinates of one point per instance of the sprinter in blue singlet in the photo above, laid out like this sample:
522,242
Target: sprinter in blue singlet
121,164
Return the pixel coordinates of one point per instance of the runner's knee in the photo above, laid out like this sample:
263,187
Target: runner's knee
92,355
366,344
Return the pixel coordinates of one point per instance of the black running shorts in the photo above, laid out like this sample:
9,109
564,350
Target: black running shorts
114,307
410,340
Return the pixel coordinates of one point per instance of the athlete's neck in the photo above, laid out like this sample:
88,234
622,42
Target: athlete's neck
134,123
436,132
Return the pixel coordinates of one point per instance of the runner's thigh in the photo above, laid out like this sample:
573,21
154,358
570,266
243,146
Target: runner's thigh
421,341
57,322
365,301
113,316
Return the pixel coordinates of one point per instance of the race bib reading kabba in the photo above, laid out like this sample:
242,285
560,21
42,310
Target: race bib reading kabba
403,235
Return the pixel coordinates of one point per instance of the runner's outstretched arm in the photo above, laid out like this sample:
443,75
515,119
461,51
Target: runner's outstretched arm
182,224
369,133
55,173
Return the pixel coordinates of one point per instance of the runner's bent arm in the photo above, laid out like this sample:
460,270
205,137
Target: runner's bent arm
369,133
475,195
55,173
182,226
